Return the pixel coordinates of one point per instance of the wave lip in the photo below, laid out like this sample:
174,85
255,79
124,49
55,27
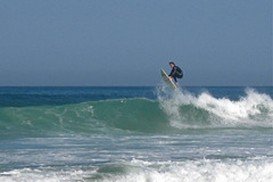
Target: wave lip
188,111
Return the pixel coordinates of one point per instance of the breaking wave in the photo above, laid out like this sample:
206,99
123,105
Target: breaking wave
185,110
179,110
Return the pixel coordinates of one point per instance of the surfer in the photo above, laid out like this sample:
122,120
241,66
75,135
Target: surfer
176,72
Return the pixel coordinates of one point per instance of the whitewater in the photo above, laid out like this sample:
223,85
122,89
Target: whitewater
136,134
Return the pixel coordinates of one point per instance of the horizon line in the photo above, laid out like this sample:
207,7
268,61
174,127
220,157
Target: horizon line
133,85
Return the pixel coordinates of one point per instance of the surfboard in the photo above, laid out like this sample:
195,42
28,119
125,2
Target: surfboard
168,81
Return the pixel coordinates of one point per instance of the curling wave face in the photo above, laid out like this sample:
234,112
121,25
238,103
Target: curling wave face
188,111
181,110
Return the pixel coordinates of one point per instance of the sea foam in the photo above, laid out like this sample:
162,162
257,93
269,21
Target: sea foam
253,109
203,170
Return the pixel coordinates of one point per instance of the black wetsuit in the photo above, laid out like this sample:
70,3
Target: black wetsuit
176,73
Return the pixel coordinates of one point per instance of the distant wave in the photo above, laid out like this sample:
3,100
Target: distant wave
169,113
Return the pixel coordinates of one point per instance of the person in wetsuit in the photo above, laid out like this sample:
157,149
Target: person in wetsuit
176,72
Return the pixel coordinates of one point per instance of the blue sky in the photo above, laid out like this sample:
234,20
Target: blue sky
126,42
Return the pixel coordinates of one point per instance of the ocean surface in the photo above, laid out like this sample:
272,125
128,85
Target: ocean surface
137,134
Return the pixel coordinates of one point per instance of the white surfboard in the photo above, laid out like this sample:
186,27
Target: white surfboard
167,80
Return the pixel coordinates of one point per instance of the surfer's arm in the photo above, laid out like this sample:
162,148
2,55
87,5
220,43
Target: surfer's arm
172,72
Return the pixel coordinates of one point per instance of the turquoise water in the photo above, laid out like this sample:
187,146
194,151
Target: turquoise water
136,134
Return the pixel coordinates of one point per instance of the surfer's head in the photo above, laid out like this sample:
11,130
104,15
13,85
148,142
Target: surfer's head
172,64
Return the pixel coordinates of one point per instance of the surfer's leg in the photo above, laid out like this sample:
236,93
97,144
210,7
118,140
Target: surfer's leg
174,78
179,75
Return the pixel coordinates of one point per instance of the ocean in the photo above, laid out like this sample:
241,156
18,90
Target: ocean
147,134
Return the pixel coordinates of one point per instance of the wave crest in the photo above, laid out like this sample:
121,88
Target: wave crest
187,110
180,110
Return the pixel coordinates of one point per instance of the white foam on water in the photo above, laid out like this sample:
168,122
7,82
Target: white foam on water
199,171
203,170
254,109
